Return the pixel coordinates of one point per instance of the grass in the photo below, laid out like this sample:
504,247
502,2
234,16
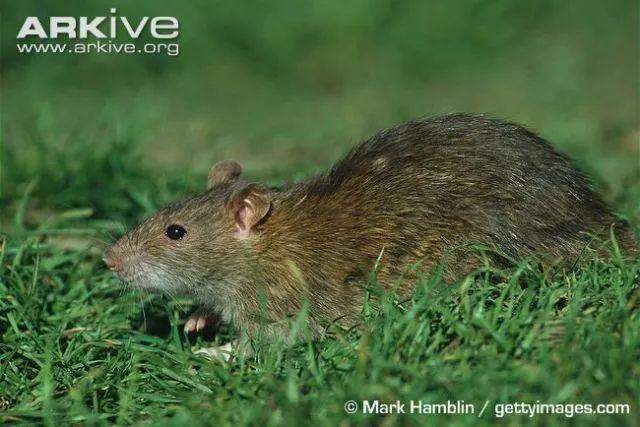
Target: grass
76,350
90,145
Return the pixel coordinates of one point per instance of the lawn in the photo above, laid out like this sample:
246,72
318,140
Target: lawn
92,144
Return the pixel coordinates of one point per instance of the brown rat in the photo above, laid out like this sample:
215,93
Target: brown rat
418,193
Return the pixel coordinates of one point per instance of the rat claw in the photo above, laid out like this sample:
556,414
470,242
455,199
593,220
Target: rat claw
201,323
191,325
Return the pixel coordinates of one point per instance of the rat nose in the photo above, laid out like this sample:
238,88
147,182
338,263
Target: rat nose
113,264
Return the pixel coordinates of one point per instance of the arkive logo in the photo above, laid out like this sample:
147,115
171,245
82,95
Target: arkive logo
99,34
101,27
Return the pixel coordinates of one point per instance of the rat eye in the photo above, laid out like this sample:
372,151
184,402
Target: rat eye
175,232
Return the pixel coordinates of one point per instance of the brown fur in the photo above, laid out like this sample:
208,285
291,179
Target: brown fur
417,193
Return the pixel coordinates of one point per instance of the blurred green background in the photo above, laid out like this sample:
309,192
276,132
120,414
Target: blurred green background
286,87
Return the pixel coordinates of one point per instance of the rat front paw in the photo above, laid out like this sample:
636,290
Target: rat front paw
199,322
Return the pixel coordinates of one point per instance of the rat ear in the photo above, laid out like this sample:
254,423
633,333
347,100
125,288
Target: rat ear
249,205
223,172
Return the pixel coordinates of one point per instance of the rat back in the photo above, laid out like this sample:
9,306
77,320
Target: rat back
414,192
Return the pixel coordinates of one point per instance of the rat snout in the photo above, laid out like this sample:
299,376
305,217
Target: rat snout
119,259
112,264
112,261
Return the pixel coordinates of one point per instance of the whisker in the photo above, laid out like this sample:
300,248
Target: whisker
144,315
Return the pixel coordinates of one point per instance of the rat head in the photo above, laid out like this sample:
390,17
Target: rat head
195,245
